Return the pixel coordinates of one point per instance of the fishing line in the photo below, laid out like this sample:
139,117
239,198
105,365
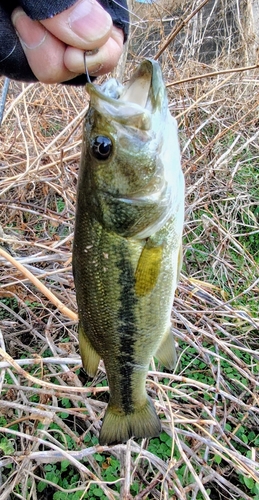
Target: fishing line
3,97
10,53
140,21
86,53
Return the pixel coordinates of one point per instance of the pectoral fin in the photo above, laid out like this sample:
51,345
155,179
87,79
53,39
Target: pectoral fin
148,269
90,358
166,352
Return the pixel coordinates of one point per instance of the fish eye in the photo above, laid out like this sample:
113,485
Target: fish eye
101,147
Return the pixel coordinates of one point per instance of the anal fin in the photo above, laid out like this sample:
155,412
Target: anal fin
166,352
90,358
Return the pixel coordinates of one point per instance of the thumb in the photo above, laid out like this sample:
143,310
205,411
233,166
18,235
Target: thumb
43,51
85,25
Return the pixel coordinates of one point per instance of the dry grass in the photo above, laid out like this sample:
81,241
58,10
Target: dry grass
209,405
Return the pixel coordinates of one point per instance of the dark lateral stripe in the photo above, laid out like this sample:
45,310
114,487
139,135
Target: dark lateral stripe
127,330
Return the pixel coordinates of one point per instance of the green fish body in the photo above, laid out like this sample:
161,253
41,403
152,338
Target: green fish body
127,244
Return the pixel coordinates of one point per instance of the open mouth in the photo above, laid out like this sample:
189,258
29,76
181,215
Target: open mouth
138,89
134,103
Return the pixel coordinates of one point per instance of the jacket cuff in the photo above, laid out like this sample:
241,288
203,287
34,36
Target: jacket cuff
38,10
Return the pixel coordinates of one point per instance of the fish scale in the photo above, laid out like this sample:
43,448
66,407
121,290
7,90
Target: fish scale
127,245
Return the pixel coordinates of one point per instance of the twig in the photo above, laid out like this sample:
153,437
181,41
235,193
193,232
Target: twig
179,27
40,360
42,288
66,455
212,74
125,460
15,101
204,96
48,385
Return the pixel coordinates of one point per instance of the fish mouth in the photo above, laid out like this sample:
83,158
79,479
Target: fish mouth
144,87
135,103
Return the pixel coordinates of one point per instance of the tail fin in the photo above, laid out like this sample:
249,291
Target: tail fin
118,427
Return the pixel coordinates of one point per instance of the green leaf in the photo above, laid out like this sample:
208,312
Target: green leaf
6,446
217,459
251,435
94,440
134,488
63,415
66,403
53,476
228,427
163,437
98,492
41,486
110,477
249,482
64,465
244,438
60,495
48,467
115,464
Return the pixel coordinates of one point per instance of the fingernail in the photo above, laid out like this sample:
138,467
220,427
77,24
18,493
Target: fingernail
31,33
91,52
89,20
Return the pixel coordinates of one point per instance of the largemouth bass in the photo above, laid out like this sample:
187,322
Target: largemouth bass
127,244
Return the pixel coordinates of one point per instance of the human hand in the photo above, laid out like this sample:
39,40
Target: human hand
55,47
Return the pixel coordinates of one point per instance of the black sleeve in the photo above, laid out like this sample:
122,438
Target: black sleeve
119,13
13,62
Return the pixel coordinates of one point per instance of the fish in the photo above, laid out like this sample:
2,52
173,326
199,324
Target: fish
128,244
